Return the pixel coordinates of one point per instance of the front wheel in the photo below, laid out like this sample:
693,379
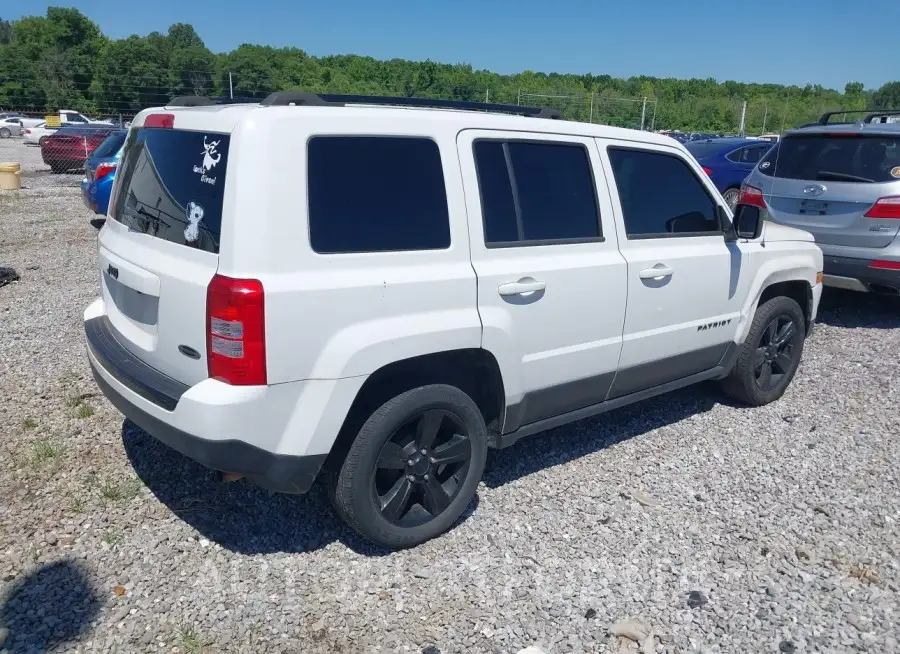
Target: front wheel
732,196
770,354
414,467
5,133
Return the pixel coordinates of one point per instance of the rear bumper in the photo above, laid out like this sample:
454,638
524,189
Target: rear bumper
200,424
858,275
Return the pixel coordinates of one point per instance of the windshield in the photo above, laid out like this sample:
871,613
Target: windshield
111,145
845,157
170,185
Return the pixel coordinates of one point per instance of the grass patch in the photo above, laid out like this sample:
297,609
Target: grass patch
112,537
29,424
78,504
115,491
84,411
45,450
192,641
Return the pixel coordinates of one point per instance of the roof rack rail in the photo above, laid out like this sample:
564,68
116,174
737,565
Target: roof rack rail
303,98
203,101
870,114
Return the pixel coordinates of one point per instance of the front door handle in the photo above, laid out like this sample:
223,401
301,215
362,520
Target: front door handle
657,272
521,287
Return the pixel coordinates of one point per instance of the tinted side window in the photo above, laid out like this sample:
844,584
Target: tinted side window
661,195
754,153
376,194
536,192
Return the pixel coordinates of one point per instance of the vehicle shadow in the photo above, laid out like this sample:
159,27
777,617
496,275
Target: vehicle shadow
98,223
239,516
849,309
48,608
569,442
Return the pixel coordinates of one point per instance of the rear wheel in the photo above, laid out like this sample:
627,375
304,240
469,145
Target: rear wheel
5,133
770,355
413,468
57,169
731,197
41,141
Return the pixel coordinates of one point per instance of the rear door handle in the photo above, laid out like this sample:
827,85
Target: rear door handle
657,272
521,287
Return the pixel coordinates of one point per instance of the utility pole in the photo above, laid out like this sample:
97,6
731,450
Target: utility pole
591,118
765,116
519,98
643,112
487,95
230,87
743,117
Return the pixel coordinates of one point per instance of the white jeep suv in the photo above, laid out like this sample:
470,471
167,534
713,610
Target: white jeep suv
380,293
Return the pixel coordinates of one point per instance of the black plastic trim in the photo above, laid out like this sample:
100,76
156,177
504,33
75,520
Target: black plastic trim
513,432
859,269
655,373
277,472
548,402
147,382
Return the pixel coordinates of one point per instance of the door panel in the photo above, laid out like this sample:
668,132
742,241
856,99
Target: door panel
557,334
684,281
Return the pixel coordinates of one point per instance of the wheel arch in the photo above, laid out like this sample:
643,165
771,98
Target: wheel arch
798,290
475,371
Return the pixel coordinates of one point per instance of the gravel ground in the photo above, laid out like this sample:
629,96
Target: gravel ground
717,528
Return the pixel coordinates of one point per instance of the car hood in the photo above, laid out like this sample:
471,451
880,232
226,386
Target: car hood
775,232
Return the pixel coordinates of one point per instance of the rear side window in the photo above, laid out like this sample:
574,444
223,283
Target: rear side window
534,193
111,145
376,194
170,185
854,158
661,196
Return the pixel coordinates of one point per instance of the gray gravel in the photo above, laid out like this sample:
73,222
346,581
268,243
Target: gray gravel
684,522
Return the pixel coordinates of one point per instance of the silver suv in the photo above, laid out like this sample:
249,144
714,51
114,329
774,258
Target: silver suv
841,182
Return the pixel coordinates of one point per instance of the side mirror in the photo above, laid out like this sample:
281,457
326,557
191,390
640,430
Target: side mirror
748,221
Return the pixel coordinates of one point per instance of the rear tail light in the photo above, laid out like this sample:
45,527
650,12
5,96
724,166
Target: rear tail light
236,331
752,196
885,265
708,171
28,131
103,170
888,207
164,121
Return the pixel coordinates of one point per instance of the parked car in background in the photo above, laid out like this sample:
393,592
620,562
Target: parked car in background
65,116
69,147
728,162
10,127
100,172
841,182
36,135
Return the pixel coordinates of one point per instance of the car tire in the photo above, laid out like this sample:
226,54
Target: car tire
770,355
392,487
57,169
732,195
41,141
5,133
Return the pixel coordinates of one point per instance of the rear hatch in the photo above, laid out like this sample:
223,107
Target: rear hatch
826,183
160,249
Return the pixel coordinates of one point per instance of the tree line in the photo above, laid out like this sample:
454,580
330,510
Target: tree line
63,60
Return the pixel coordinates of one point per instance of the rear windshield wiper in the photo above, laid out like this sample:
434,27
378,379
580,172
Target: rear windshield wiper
823,175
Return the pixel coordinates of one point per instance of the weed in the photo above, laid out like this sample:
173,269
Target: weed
78,504
29,423
44,450
112,537
84,411
115,491
191,640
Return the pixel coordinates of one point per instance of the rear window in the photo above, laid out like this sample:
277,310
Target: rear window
110,145
854,158
170,185
376,194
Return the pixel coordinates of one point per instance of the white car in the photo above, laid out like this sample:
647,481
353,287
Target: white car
35,135
11,126
392,290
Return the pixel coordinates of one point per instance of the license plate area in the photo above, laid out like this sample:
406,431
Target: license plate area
814,207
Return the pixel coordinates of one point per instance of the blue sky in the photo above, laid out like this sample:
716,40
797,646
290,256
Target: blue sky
789,42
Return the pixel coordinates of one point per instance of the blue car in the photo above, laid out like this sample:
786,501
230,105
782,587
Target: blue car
728,162
100,172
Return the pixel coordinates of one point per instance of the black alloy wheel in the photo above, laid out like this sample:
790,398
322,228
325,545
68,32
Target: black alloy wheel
775,353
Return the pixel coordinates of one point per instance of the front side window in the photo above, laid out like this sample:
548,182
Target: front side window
661,196
533,193
376,194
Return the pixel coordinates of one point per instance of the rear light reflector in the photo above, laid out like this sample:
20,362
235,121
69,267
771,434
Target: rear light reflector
236,331
164,121
752,196
103,170
887,207
708,171
885,265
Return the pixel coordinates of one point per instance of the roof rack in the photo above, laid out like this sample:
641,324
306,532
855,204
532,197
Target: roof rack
203,101
870,115
303,98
